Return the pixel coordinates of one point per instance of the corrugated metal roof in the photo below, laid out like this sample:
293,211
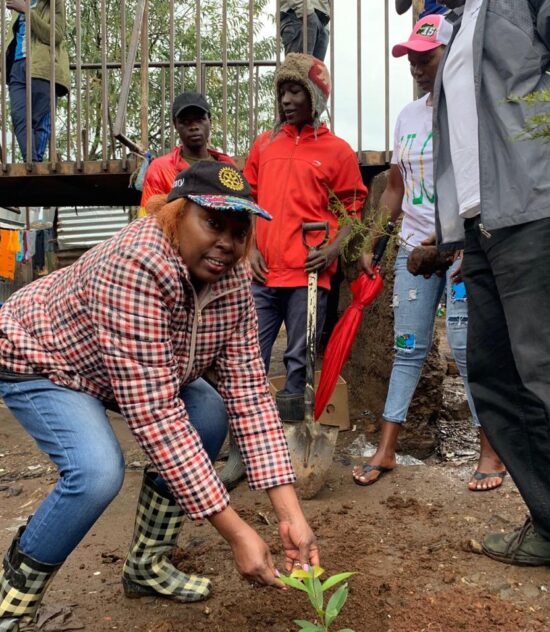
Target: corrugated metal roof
84,227
8,219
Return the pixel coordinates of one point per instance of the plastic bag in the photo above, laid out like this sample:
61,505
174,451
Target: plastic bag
138,177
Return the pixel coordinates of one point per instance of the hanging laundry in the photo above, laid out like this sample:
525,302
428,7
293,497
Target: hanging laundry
20,254
40,253
25,246
7,255
31,244
13,243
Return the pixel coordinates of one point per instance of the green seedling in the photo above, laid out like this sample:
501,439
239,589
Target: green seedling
537,126
309,582
362,234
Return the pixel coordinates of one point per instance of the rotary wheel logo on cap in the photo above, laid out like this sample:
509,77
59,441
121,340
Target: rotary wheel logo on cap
231,179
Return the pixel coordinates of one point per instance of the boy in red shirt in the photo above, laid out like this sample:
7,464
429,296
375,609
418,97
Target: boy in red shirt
292,170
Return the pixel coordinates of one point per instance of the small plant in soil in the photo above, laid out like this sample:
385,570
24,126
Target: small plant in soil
309,582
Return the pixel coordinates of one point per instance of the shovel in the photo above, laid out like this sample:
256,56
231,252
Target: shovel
311,444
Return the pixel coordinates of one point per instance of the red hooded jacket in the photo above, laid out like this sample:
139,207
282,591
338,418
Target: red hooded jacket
291,175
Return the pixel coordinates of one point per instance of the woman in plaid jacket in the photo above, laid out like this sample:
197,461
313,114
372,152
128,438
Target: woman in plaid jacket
134,323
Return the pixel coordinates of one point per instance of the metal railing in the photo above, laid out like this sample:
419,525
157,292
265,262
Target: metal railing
130,58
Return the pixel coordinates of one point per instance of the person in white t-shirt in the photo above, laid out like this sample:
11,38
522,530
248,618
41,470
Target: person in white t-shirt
410,191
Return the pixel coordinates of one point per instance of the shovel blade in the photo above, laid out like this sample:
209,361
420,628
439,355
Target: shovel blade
312,448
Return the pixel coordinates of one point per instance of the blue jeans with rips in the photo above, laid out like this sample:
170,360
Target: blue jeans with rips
74,430
415,302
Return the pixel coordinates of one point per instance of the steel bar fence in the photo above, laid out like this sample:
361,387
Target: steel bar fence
103,83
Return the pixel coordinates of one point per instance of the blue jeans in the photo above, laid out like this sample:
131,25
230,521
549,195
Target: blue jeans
74,430
275,305
415,302
41,119
317,34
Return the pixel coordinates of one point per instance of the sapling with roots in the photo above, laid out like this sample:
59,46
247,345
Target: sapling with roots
362,235
308,581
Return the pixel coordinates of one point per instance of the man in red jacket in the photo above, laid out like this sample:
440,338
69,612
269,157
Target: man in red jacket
292,170
192,120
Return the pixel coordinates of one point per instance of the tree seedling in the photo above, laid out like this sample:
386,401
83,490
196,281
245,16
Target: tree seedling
309,582
537,126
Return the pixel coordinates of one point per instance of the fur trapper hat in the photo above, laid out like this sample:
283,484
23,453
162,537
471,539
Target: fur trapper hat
313,75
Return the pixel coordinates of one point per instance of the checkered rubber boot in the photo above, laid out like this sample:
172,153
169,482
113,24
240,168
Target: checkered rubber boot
147,570
23,582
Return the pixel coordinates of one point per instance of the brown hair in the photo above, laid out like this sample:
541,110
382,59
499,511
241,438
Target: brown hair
169,214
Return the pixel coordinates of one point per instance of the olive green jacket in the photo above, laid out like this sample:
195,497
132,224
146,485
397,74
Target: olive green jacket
40,45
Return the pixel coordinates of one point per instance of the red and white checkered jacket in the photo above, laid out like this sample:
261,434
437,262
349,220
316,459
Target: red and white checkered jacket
124,323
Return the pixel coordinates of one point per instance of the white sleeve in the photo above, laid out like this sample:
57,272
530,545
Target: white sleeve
396,134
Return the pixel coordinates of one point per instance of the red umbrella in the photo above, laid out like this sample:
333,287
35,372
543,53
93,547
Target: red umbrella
364,290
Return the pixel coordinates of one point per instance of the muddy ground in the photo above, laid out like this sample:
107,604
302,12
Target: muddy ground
412,538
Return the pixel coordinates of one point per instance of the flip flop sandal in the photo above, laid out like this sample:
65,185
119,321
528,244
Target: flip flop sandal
481,476
366,468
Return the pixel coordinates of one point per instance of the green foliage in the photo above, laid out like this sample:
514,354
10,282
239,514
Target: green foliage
537,126
241,128
363,234
309,582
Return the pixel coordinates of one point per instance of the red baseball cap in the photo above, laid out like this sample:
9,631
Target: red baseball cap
428,33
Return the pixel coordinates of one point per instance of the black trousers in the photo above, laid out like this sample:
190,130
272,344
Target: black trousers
507,278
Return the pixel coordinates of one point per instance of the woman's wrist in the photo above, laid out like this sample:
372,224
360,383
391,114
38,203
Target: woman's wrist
229,525
285,503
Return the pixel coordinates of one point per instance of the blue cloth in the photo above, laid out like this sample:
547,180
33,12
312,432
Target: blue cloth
20,38
431,7
415,304
20,30
20,255
41,120
74,430
287,305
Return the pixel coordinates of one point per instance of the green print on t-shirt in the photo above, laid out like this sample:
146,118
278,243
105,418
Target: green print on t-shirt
415,183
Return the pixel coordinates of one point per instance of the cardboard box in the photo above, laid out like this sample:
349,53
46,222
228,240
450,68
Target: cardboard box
336,411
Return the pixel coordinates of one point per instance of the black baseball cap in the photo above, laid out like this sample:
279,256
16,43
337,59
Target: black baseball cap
216,185
189,100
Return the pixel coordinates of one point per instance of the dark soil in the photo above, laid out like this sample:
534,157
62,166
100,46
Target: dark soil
411,537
